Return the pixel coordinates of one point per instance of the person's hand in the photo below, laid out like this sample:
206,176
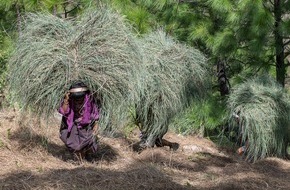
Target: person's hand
96,129
66,98
241,150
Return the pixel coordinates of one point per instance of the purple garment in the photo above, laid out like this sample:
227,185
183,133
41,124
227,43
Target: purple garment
90,113
78,139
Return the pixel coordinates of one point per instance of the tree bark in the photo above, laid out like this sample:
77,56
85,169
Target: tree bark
224,86
279,46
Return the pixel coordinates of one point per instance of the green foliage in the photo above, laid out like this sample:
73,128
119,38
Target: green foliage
239,31
263,108
5,50
139,18
224,43
221,5
202,117
200,32
156,5
148,15
25,5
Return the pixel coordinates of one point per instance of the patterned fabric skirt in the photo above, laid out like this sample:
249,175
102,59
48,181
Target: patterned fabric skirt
78,140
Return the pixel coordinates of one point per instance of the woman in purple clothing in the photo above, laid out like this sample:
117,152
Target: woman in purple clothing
79,115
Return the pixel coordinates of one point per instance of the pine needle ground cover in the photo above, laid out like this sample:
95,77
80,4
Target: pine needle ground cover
34,158
175,74
263,108
97,48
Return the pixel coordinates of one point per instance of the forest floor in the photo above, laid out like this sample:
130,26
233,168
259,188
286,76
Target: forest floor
33,157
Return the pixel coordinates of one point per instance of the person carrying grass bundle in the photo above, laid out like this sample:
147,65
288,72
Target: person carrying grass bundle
149,139
243,144
159,142
79,115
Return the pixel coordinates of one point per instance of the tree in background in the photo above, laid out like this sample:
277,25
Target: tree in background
142,20
15,10
249,37
253,34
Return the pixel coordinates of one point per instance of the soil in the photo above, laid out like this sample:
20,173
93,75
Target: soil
33,157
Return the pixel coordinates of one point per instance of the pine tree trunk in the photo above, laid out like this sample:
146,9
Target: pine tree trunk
280,65
222,79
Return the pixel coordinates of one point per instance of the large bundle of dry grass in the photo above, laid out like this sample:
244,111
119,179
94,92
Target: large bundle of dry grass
175,73
263,108
97,48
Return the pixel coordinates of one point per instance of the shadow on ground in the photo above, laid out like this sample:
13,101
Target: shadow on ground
141,177
30,140
264,174
195,163
136,177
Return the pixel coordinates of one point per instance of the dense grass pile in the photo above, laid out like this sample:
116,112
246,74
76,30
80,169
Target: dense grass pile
175,74
263,108
97,48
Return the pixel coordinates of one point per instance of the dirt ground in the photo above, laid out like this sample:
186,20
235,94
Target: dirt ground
33,157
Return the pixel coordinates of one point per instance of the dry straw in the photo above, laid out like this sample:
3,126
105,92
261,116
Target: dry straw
264,110
97,48
175,73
